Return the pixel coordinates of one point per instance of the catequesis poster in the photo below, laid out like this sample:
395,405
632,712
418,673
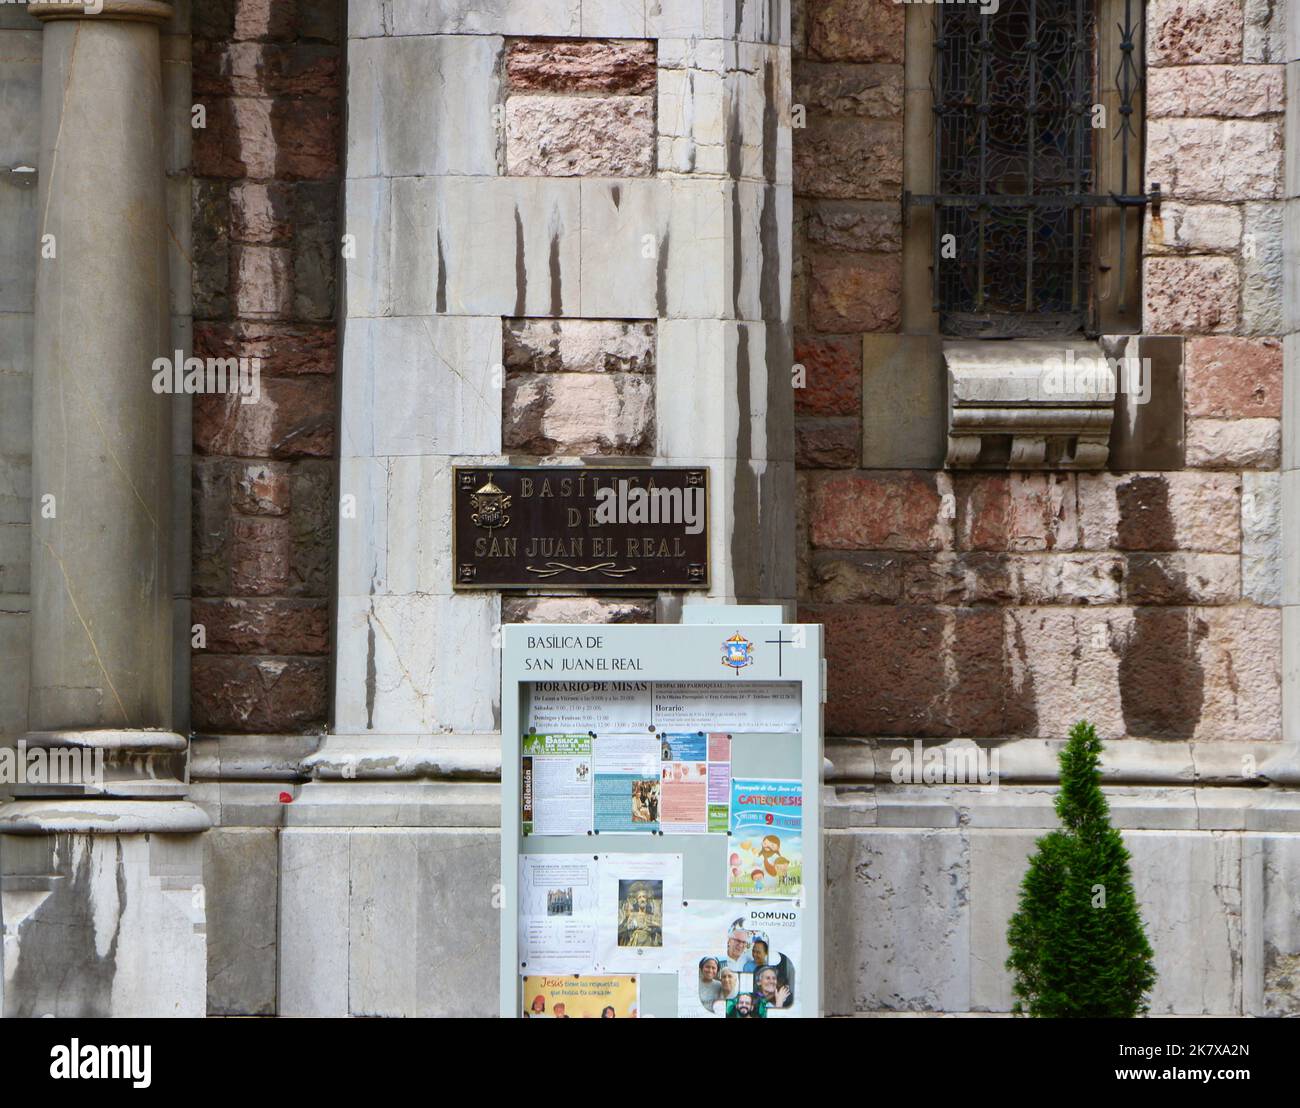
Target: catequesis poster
766,848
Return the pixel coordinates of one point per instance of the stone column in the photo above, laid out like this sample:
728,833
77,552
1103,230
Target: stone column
102,867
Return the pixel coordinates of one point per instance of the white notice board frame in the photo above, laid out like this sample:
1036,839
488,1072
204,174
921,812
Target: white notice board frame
663,652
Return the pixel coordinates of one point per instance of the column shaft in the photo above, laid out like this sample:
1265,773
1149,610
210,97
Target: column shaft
101,628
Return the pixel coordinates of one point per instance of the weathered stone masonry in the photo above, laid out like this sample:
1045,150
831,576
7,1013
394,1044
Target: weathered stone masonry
266,241
567,236
1145,601
1005,606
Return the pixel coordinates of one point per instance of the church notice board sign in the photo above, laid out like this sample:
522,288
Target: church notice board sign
661,851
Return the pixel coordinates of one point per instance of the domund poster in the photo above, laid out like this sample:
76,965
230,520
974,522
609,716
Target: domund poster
733,949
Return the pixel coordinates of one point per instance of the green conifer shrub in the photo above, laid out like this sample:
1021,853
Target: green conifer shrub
1078,948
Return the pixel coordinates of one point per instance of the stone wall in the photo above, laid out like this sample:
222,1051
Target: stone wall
20,86
572,224
1004,606
576,108
579,387
1012,604
266,240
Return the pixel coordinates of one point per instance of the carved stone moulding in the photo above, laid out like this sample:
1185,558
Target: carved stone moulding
130,11
1029,404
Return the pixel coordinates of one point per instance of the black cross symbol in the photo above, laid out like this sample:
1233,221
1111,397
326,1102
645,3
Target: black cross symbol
780,642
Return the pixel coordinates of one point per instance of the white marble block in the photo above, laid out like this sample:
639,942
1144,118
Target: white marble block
104,925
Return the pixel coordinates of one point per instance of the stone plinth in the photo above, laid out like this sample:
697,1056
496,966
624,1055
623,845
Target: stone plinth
102,879
105,924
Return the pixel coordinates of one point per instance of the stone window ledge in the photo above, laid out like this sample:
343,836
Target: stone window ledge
1028,404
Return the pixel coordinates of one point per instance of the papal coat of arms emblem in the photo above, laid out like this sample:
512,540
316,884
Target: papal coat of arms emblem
737,652
489,503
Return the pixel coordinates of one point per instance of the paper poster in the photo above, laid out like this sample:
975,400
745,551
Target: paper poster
736,706
627,782
774,937
640,907
739,960
581,997
719,783
765,856
701,992
695,782
558,908
556,784
567,706
684,784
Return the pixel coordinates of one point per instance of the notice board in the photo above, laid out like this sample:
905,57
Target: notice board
661,849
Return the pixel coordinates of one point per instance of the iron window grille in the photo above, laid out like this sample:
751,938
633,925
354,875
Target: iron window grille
1017,123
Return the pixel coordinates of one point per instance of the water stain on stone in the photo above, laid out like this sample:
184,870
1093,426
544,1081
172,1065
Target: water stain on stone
59,969
746,489
1161,680
976,705
771,124
372,672
769,280
521,268
737,254
1022,707
440,297
1145,522
557,282
661,278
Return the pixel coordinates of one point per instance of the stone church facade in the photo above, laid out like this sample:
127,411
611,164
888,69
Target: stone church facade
705,233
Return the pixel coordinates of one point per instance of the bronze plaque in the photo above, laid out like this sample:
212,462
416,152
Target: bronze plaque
580,527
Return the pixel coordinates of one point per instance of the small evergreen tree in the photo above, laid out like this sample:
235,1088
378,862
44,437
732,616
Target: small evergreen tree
1077,943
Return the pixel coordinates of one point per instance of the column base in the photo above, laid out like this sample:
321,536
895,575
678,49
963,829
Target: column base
102,925
101,878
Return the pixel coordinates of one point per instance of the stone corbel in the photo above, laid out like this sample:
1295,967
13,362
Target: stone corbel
1022,404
